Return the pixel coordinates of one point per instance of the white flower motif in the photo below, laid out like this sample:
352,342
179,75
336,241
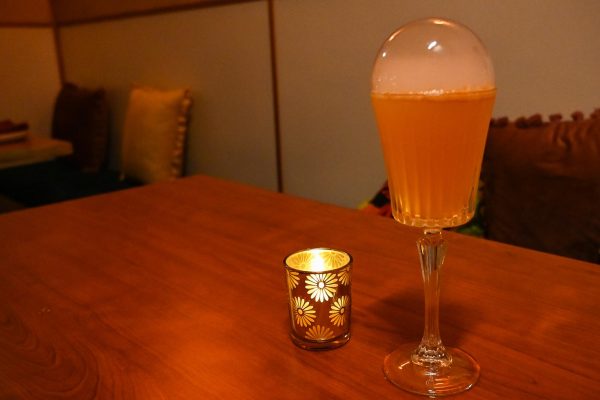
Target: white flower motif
321,287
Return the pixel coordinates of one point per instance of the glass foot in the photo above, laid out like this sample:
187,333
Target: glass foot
461,375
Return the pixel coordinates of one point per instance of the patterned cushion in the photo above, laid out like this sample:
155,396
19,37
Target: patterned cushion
542,184
81,117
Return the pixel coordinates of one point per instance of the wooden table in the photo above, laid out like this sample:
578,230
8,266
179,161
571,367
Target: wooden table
176,291
32,150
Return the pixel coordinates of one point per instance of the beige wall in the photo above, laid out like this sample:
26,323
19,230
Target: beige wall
29,78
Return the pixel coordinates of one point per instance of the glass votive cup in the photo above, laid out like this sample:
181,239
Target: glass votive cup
319,296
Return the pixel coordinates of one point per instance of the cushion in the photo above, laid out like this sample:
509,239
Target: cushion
154,134
81,117
542,184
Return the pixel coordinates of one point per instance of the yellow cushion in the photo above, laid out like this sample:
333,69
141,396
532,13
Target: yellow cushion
154,134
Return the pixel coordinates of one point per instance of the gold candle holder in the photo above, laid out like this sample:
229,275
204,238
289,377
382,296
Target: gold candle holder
319,282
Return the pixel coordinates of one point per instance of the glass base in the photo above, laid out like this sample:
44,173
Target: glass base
461,375
320,344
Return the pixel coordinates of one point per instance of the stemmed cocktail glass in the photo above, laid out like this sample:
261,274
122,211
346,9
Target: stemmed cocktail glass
433,92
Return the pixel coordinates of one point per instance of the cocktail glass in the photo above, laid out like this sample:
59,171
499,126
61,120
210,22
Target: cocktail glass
433,92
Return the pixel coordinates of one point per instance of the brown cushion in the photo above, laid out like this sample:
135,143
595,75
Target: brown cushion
81,117
154,134
542,185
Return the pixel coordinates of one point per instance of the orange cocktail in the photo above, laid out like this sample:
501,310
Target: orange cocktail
433,146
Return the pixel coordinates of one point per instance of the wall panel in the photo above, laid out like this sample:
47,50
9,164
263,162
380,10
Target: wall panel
221,53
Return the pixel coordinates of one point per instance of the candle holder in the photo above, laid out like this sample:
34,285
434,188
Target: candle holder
319,282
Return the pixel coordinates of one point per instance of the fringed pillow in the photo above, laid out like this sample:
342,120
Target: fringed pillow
154,134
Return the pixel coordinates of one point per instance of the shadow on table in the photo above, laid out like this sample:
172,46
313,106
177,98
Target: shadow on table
401,315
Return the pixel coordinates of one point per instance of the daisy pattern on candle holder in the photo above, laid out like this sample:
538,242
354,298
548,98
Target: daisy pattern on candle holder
319,332
303,311
321,287
334,259
301,260
337,313
344,276
293,279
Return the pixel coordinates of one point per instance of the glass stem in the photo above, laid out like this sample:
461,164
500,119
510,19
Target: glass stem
432,250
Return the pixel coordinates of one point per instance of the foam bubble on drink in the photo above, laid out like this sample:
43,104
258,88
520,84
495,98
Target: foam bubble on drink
432,56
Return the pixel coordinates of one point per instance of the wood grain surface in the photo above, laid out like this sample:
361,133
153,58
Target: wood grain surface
176,291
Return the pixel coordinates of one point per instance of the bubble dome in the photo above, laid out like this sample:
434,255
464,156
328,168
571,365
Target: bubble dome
432,56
